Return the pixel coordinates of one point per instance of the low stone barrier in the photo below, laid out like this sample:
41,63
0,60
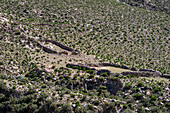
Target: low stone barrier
44,48
134,69
83,67
80,66
108,64
166,76
114,65
142,74
148,70
74,52
60,45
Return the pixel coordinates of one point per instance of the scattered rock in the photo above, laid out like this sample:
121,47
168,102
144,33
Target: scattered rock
148,93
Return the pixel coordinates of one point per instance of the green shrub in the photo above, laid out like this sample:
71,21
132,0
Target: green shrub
75,67
127,86
105,74
124,106
91,107
90,71
72,95
157,89
140,84
77,103
153,98
113,78
138,96
43,86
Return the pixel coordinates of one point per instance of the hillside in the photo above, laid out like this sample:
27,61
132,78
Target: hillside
84,56
156,5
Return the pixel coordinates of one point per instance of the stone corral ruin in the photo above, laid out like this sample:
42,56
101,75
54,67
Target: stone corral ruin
134,71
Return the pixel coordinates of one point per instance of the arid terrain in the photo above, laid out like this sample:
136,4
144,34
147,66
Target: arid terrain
84,56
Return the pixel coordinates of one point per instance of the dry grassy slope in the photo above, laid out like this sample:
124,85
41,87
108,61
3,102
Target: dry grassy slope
112,31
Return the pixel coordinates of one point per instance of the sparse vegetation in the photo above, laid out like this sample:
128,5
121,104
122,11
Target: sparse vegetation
51,53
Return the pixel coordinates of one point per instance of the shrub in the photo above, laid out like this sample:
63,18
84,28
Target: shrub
75,67
3,76
124,106
14,87
43,86
1,63
156,89
72,95
77,103
96,102
105,74
138,96
90,71
113,78
68,66
66,108
2,97
53,66
140,84
153,98
91,107
127,86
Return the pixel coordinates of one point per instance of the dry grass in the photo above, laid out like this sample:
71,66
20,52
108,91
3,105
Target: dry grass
113,69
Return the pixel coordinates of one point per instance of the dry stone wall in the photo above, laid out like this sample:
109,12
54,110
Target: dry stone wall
43,47
142,74
74,52
48,50
114,65
166,76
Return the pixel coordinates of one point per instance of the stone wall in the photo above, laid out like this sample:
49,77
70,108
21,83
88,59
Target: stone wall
148,70
149,73
80,66
166,76
114,65
43,47
74,52
142,74
60,45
